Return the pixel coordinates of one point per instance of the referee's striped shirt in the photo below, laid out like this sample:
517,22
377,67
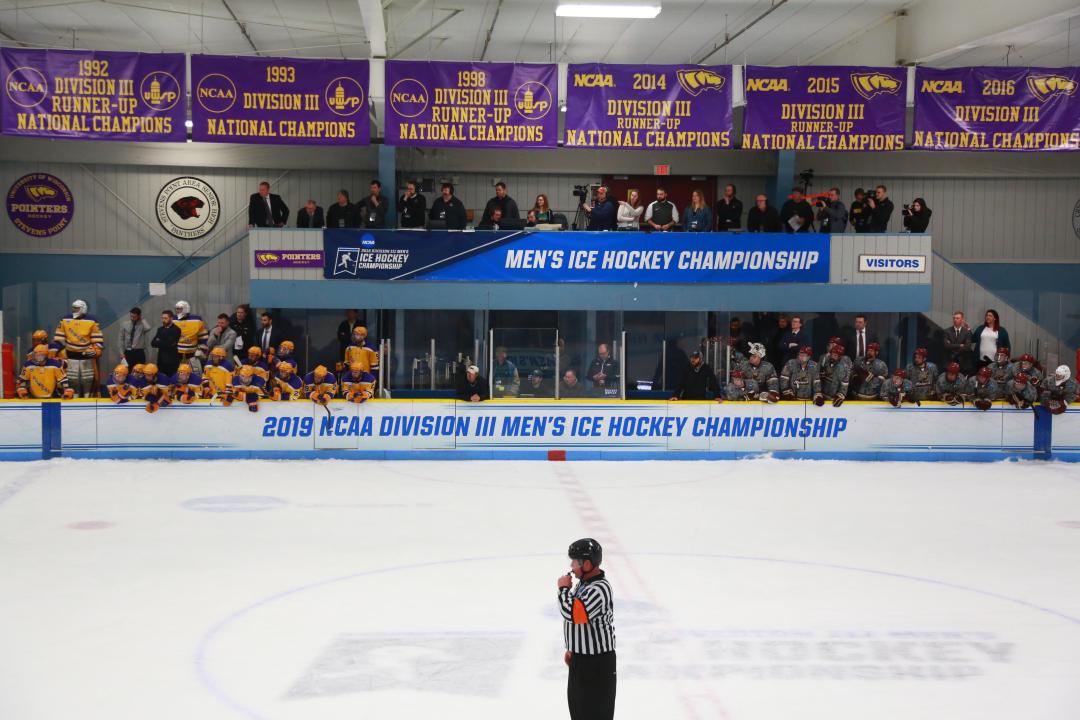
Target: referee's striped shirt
588,617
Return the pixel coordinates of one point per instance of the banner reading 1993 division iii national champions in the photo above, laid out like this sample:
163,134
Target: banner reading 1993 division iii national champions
824,108
461,104
90,95
279,100
674,107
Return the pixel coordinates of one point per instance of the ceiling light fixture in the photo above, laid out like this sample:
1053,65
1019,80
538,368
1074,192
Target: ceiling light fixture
189,124
630,11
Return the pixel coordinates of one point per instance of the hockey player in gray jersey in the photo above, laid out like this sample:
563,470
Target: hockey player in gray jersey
1026,364
833,343
739,388
762,373
1000,370
982,390
898,390
835,376
1020,393
800,379
923,375
1058,391
952,385
870,373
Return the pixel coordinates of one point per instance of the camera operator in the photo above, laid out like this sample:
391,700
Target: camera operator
602,211
831,215
860,212
917,216
881,208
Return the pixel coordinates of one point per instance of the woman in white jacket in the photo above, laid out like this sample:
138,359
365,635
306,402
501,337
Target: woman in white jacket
629,215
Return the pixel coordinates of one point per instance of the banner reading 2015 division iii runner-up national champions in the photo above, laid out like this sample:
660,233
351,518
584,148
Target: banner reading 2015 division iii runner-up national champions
462,104
670,107
90,95
279,100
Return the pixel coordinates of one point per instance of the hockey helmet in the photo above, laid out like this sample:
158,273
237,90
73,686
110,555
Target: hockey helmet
874,348
360,332
952,370
246,372
183,369
150,370
40,337
120,371
254,353
218,352
286,347
834,340
806,350
738,376
899,373
78,307
1026,358
586,549
920,352
138,369
319,373
837,350
41,353
182,308
757,350
1062,375
356,367
1020,378
285,367
1002,352
984,374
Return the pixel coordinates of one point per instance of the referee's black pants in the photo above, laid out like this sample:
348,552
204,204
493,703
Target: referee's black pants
590,687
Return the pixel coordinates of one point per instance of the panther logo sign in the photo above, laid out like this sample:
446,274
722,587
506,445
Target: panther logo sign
188,208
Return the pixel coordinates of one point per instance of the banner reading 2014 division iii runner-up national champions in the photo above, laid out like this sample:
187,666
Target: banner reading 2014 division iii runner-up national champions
670,107
462,104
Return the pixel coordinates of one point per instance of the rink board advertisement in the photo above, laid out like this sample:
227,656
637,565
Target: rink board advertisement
649,107
93,95
100,428
611,257
463,104
286,101
824,108
997,109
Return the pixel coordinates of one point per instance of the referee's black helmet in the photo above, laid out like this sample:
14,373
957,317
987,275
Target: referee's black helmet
586,549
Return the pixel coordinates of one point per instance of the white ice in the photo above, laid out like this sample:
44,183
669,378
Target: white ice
753,590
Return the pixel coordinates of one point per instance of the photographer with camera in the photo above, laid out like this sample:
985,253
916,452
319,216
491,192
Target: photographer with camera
860,212
881,208
603,210
917,216
831,215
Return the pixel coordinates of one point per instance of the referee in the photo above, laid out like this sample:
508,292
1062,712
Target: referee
589,633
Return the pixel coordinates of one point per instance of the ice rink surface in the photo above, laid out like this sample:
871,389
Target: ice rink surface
751,590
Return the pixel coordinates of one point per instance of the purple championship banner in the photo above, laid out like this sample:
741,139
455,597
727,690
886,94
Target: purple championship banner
90,95
670,107
285,101
997,109
824,108
289,259
462,104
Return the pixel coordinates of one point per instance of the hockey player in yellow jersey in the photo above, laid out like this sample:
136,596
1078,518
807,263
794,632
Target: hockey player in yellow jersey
256,363
193,336
286,384
320,385
82,341
120,390
217,375
249,387
56,350
362,351
42,378
357,385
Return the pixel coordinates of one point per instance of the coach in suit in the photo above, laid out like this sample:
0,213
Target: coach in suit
858,338
958,342
267,210
268,336
310,217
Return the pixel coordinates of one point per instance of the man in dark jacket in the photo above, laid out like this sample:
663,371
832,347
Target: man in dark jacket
345,330
698,381
881,208
502,202
412,206
603,211
792,340
311,216
448,209
570,387
728,210
342,214
763,217
858,338
165,340
265,210
472,387
796,207
859,215
243,322
604,373
958,343
373,208
832,215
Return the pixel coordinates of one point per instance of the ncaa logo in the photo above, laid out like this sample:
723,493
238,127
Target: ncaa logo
408,97
26,87
188,208
215,93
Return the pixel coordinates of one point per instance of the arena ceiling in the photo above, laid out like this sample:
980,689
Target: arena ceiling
777,32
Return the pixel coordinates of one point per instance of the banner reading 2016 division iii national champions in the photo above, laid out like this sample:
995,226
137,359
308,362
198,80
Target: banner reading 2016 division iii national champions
461,104
824,108
93,95
279,100
673,107
997,108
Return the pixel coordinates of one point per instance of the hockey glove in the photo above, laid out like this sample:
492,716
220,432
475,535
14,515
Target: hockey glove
819,399
838,401
982,404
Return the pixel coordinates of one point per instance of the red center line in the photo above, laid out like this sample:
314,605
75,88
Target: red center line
595,523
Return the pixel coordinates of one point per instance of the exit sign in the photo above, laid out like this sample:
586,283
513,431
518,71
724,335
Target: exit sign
661,169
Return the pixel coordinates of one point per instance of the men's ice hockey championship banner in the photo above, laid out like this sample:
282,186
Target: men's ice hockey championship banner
93,95
997,108
461,104
287,101
669,107
824,108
